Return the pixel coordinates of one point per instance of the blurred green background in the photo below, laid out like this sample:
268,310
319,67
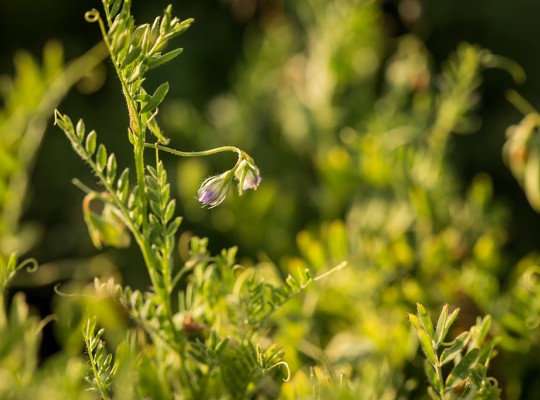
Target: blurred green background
313,90
215,51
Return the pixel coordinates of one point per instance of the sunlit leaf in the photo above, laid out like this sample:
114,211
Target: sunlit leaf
90,144
463,368
451,352
101,157
427,346
156,98
426,320
156,62
441,324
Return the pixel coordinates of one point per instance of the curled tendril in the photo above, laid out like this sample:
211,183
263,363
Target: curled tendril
92,15
286,366
64,294
531,278
45,321
493,381
328,273
240,281
490,60
30,264
264,363
532,322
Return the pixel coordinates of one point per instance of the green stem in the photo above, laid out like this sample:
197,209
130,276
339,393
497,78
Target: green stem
135,125
107,14
138,131
139,169
438,371
95,371
203,153
519,102
132,226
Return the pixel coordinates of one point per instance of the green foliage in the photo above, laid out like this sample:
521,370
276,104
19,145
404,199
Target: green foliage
521,151
103,371
469,352
20,341
9,267
20,337
28,101
214,335
210,338
375,171
363,132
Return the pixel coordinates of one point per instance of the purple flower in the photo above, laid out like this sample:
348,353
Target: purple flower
214,189
248,176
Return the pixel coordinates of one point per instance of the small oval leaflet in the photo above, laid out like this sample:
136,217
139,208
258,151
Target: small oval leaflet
101,157
91,141
80,129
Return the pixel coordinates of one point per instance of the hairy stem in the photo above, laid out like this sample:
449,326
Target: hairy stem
438,371
139,132
101,389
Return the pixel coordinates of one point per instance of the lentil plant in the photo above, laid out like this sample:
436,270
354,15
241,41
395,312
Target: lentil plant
347,194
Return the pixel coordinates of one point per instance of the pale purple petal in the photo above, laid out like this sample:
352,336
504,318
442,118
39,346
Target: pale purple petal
213,190
252,180
248,176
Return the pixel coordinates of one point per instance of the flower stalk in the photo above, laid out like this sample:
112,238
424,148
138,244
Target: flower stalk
214,189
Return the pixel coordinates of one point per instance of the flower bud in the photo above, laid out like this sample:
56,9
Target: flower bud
248,176
214,189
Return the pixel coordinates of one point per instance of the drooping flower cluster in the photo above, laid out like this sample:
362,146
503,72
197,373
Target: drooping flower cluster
214,189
